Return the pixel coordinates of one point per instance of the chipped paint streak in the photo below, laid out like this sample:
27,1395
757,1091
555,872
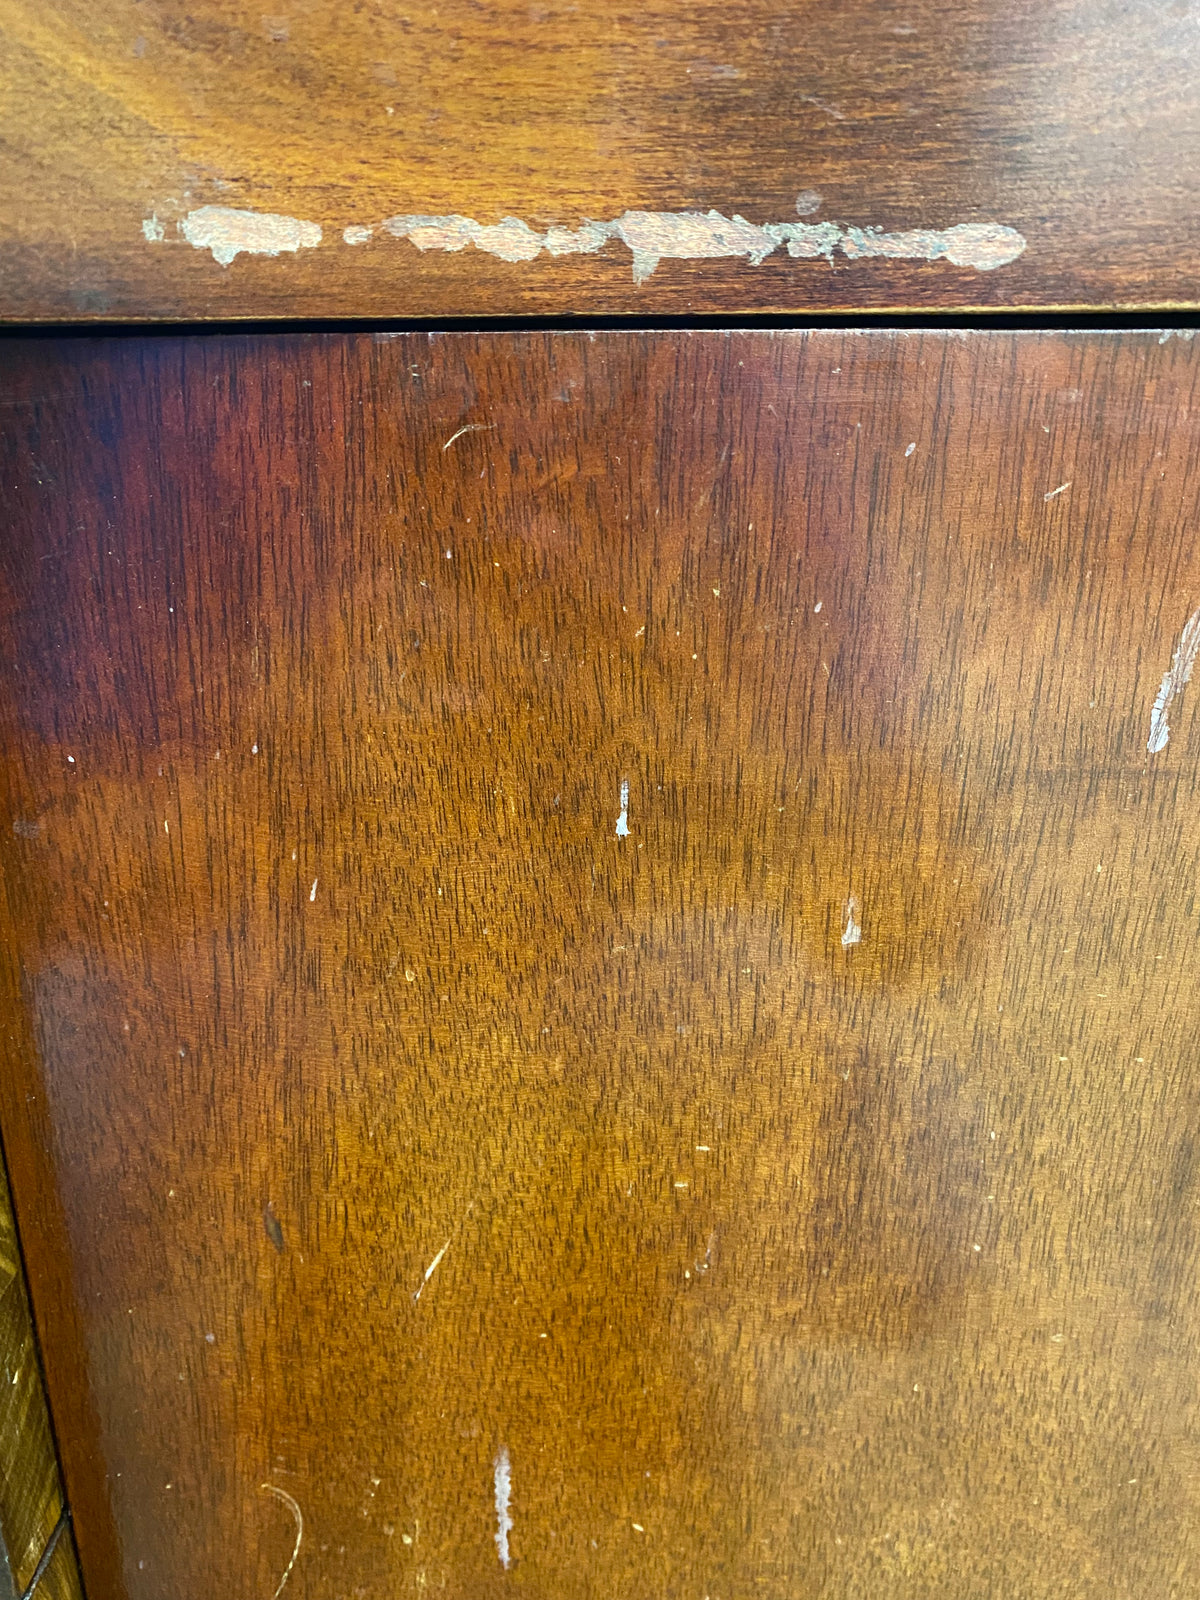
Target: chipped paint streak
654,236
1174,679
502,1479
982,245
228,232
510,239
852,933
649,236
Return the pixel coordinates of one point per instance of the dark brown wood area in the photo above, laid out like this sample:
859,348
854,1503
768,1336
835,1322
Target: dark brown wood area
1075,123
785,1172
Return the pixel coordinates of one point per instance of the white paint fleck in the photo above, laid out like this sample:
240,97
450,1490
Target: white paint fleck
654,236
623,819
1174,679
152,230
503,1486
312,893
852,932
356,235
910,450
430,1270
228,232
282,1494
818,606
1062,489
469,427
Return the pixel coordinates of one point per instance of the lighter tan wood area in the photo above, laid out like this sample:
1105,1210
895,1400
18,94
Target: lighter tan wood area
796,1185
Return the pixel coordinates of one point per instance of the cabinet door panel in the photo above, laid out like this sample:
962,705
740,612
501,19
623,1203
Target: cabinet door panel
599,976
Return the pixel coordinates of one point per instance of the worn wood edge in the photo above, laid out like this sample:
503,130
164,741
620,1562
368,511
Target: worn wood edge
714,319
59,1579
43,1245
31,1497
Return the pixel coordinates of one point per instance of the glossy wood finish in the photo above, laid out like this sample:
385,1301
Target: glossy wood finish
1076,122
375,1106
30,1488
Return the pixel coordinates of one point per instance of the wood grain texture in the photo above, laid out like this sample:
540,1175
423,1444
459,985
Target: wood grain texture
375,1107
1076,122
30,1487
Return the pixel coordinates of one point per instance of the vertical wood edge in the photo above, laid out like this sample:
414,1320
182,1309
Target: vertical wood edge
31,1495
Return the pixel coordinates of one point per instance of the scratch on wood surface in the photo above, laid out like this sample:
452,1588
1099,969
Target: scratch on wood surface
1174,679
468,427
273,1227
502,1474
430,1270
852,932
282,1494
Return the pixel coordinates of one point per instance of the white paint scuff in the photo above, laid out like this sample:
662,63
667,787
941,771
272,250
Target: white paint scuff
282,1494
1174,679
228,232
852,932
430,1270
654,236
650,237
467,427
503,1484
623,819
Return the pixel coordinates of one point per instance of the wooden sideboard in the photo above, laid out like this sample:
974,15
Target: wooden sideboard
598,800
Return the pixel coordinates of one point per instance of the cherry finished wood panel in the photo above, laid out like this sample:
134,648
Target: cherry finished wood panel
1074,122
781,1174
